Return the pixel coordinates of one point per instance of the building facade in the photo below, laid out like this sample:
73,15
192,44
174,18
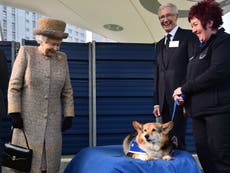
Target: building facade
17,24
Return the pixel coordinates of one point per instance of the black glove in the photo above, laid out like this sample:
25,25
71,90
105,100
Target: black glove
16,120
67,123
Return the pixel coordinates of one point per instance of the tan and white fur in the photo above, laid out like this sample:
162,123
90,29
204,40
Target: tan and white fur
152,138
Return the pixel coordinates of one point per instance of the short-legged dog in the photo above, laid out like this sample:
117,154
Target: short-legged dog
149,141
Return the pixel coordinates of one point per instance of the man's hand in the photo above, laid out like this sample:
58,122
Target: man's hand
156,111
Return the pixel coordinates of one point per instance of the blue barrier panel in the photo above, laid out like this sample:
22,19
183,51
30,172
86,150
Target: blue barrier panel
124,83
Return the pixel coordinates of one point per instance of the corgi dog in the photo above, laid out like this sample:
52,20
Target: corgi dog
150,141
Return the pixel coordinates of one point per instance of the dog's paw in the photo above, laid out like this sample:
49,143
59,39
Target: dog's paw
143,157
167,157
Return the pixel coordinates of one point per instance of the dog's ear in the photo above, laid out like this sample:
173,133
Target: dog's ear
167,127
137,126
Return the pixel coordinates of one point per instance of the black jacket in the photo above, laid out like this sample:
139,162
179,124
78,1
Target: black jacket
207,88
170,75
3,79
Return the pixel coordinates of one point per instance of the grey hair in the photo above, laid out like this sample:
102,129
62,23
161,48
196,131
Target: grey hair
41,38
168,5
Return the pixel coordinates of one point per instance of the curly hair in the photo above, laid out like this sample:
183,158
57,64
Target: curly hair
205,11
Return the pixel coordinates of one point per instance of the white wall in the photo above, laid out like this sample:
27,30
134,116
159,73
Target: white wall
226,19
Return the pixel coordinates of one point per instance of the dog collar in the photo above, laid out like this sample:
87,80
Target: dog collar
134,148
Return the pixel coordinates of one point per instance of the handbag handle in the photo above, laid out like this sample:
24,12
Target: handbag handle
24,136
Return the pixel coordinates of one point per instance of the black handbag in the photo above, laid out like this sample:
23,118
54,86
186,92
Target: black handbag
17,157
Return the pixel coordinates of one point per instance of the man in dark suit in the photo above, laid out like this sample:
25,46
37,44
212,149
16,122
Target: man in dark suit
3,88
172,56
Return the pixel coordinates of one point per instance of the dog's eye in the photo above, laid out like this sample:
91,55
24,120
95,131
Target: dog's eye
153,130
145,130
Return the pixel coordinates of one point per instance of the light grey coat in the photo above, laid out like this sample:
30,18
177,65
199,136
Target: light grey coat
38,88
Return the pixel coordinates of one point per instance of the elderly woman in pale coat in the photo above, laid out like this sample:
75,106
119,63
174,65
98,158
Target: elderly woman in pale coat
39,91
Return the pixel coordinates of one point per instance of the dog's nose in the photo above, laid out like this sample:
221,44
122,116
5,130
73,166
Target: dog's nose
147,136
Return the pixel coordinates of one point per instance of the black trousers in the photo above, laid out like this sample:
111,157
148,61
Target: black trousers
179,129
212,139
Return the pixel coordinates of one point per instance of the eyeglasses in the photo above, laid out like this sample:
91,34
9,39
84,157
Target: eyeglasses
169,15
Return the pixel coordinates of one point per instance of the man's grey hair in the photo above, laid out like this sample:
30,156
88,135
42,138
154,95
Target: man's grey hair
41,38
168,5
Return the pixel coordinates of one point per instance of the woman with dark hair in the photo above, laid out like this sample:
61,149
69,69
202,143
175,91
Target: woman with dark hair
207,88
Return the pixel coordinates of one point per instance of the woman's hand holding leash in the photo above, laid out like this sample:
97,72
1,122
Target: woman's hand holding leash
178,96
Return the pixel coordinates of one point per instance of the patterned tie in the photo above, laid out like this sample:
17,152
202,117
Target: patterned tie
168,40
165,52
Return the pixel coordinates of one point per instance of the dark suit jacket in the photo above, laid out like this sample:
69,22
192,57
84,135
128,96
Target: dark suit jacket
208,78
3,79
170,75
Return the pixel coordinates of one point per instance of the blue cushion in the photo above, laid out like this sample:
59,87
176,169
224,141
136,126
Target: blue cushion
111,159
